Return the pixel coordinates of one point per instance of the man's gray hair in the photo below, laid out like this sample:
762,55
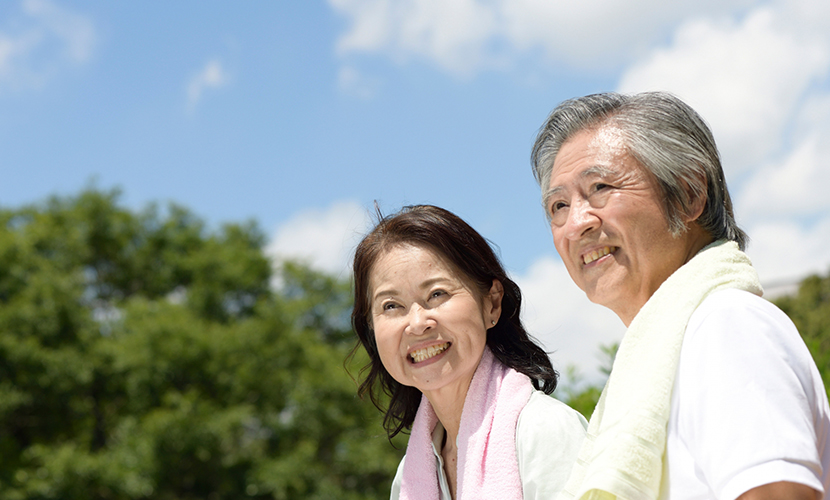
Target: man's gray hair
664,135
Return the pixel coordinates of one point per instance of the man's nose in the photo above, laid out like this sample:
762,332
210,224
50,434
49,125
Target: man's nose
581,219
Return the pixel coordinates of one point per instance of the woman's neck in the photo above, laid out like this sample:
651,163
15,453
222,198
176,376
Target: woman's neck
448,403
449,452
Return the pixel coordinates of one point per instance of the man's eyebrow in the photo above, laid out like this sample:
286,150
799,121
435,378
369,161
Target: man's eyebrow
550,193
597,171
594,171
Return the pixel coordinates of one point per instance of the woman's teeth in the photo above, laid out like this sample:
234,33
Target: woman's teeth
428,352
596,254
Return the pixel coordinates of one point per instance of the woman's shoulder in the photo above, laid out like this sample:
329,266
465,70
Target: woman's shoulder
544,409
546,421
395,491
549,435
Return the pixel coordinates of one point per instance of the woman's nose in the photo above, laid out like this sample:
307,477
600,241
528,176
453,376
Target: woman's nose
419,320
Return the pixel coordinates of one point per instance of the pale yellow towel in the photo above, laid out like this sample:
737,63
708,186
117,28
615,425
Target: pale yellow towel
622,456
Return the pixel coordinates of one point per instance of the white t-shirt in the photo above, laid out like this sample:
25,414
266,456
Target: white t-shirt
748,406
549,434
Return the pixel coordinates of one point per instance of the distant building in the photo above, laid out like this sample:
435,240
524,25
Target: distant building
780,288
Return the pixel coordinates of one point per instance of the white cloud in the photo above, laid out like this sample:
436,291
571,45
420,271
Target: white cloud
810,17
371,27
451,33
558,314
745,78
466,36
814,115
351,81
324,239
212,76
597,34
42,42
74,30
788,189
782,251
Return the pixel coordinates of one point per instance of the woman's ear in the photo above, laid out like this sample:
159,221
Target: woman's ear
492,303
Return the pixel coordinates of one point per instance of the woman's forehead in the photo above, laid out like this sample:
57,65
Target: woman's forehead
415,262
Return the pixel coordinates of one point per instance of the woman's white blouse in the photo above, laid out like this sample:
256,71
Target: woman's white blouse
549,434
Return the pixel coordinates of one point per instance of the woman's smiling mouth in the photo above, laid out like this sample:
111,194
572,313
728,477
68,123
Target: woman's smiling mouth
428,352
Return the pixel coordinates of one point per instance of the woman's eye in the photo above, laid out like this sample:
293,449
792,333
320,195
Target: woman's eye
437,293
389,306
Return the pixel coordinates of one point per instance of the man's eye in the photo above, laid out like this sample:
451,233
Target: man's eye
600,186
556,206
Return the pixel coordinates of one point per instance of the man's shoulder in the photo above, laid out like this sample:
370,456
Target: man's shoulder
748,405
738,309
733,297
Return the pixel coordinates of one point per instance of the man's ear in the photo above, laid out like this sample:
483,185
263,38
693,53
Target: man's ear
697,198
492,303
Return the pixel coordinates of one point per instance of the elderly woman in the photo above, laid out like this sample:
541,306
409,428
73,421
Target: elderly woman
439,319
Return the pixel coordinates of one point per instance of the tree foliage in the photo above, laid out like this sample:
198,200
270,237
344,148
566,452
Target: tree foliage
583,397
144,356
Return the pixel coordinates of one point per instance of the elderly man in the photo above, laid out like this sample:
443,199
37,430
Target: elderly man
713,394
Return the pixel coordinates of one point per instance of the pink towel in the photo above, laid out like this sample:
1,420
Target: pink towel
487,463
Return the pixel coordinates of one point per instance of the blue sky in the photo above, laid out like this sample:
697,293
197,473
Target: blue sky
301,114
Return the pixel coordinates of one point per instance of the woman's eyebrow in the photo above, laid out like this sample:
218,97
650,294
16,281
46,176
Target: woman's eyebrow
424,285
428,283
380,293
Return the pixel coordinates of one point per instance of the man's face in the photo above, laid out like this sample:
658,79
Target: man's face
608,222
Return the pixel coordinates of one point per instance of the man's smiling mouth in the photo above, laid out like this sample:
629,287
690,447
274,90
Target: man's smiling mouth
597,254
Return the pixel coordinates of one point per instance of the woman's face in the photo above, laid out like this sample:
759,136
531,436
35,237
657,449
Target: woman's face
430,323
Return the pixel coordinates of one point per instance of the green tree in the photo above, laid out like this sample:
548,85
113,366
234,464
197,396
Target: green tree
583,397
144,356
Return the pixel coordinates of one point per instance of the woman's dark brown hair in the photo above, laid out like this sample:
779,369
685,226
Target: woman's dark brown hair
443,232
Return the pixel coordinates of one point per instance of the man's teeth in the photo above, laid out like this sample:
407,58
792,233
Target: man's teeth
596,254
428,352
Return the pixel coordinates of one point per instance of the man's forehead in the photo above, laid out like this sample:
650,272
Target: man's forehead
591,152
608,136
